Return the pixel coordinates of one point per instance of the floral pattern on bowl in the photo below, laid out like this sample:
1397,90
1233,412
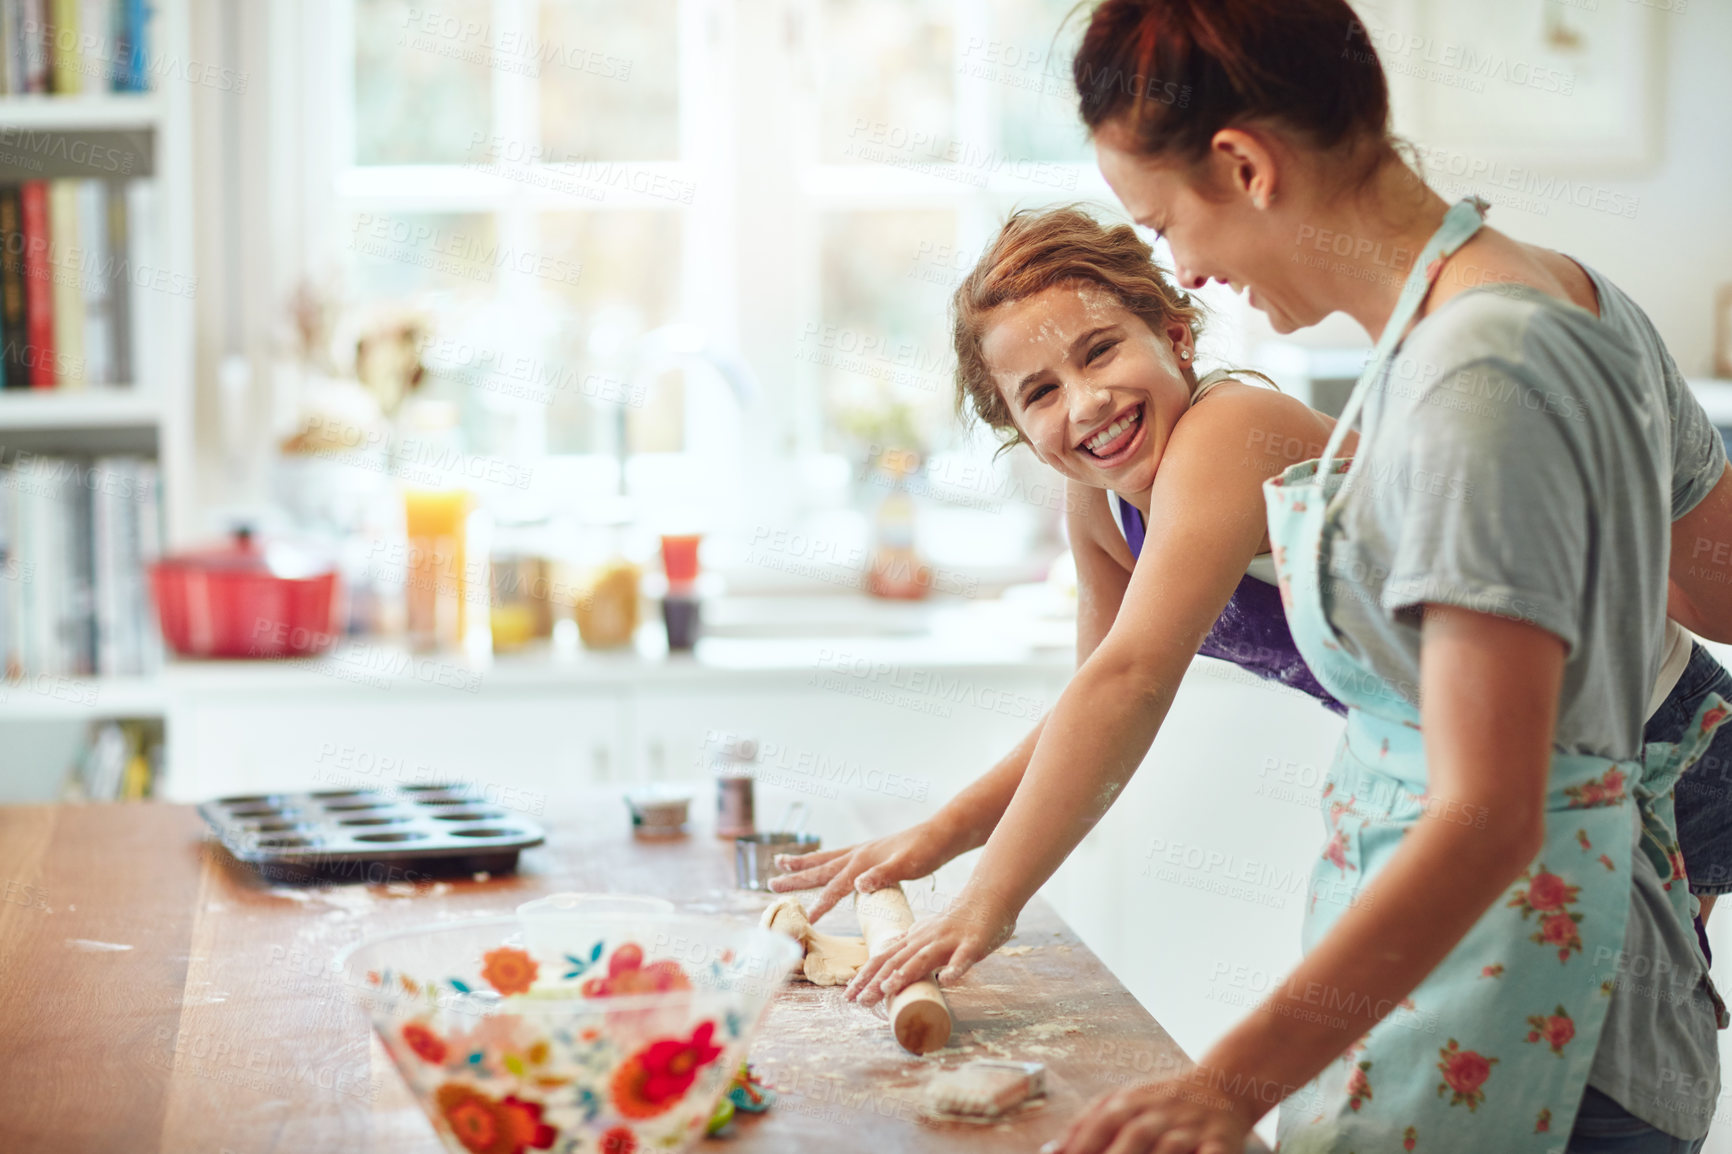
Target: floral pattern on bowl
607,1047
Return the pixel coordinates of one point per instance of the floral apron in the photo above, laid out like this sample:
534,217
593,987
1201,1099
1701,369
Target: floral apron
1492,1051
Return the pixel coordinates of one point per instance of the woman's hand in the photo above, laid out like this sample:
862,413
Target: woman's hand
913,853
1178,1116
974,926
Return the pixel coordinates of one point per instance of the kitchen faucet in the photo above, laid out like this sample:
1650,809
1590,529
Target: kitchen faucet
667,347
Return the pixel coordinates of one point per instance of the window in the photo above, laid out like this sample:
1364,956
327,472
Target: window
796,187
513,169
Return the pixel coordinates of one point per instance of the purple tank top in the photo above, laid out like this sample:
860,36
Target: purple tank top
1252,630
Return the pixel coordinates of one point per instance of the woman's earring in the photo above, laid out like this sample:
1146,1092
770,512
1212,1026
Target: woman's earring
1184,354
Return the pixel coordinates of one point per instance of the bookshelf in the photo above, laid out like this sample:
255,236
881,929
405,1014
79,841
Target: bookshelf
151,413
111,111
104,408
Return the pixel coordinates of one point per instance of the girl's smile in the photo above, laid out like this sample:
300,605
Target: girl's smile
1120,437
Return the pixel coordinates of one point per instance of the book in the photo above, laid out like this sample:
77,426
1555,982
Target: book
95,282
77,538
8,38
148,281
96,44
108,551
63,56
119,553
146,519
32,36
77,632
67,295
119,270
12,312
144,754
72,255
38,285
104,763
47,482
34,606
132,73
68,47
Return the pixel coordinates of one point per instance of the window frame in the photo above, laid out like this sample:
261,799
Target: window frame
751,240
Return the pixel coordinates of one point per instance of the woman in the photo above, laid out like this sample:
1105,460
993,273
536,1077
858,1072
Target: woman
1516,637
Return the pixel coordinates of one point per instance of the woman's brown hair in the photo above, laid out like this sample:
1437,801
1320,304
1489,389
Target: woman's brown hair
1033,252
1175,72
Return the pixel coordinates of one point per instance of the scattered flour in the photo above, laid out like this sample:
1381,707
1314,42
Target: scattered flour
94,947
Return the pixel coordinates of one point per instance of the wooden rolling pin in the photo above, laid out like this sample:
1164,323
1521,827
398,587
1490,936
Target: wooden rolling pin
918,1015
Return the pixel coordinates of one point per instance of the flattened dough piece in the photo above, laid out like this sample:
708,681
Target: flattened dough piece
830,960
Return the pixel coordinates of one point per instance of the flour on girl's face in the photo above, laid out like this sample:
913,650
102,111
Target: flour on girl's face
1098,306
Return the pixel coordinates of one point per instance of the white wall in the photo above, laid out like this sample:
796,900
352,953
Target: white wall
1677,250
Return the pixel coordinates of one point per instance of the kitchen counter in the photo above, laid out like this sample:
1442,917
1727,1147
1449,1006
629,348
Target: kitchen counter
161,997
761,640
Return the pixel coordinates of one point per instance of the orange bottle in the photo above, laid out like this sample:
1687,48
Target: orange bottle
434,591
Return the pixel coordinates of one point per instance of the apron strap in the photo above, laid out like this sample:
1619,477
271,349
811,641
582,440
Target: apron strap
1464,218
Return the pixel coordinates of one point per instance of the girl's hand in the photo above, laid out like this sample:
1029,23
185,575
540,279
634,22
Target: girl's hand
974,926
873,865
1177,1116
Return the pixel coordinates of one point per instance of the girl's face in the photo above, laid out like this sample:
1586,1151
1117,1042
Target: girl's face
1095,392
1236,236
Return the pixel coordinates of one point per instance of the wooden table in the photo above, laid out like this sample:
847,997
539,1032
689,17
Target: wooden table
159,997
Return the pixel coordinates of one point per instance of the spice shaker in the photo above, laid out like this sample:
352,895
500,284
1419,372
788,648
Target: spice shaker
733,764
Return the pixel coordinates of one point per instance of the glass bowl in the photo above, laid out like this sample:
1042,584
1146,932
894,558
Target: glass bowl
609,905
568,1032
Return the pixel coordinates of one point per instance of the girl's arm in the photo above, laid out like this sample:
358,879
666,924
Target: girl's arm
1205,522
1489,689
968,819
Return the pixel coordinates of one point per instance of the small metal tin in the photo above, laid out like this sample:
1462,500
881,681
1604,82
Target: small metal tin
755,856
659,812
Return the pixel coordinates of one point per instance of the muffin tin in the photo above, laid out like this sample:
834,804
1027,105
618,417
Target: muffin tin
376,835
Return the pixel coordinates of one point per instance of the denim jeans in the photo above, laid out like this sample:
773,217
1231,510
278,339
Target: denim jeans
1604,1127
1702,798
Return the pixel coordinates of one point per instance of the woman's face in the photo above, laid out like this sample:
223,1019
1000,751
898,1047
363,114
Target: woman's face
1228,237
1095,392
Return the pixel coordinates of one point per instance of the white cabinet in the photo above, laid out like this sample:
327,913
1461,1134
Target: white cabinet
869,754
521,747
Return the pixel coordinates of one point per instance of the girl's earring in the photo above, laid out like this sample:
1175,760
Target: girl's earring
1184,354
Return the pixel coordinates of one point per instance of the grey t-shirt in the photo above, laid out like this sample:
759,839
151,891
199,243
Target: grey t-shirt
1526,459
